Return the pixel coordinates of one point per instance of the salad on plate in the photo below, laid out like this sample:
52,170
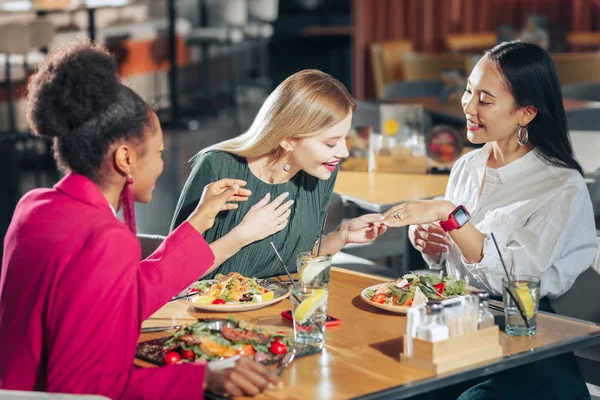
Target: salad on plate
411,289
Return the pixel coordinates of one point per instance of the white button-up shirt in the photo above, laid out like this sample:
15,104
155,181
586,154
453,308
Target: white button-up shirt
540,214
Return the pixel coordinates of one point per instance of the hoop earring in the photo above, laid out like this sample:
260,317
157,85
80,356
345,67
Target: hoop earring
522,137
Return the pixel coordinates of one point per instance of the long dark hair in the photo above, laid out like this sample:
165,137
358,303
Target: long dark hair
530,75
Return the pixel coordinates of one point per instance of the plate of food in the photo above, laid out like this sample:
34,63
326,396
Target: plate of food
235,292
399,295
216,339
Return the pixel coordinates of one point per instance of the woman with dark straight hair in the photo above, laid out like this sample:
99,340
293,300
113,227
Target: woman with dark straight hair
526,188
532,79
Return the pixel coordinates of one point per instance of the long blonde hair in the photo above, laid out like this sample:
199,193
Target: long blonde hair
303,105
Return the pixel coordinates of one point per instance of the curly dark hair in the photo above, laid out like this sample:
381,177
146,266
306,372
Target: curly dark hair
77,98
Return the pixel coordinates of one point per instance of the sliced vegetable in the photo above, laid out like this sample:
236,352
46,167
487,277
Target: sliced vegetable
188,354
440,288
172,357
246,350
379,298
260,357
278,347
218,301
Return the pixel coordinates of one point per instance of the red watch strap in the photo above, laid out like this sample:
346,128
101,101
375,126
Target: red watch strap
450,224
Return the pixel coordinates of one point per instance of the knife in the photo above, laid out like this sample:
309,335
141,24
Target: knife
285,361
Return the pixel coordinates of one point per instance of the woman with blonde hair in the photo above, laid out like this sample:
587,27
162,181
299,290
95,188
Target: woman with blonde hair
290,154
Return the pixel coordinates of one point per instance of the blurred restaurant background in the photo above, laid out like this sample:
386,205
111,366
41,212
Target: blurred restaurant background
207,66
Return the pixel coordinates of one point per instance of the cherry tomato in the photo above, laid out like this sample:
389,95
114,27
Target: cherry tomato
218,301
246,350
278,347
193,290
188,354
172,357
379,298
440,288
265,290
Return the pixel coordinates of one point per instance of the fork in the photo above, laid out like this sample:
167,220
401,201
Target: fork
270,281
285,361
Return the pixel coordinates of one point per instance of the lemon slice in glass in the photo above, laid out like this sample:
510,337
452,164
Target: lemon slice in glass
309,305
311,268
523,295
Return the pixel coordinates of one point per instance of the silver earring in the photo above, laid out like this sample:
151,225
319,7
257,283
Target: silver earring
522,135
286,166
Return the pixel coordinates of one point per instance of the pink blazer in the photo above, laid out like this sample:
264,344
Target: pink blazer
73,295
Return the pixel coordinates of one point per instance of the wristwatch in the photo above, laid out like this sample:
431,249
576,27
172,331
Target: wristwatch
456,220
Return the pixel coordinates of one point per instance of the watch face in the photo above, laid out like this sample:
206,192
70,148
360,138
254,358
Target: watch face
462,217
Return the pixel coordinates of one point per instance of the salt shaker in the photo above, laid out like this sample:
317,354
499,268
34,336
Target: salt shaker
434,330
486,318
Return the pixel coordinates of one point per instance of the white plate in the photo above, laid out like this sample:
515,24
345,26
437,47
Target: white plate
387,307
281,292
391,307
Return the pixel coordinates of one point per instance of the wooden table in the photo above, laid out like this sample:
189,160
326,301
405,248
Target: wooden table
455,111
360,359
378,191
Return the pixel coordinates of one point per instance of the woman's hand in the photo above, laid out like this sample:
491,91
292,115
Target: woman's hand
363,229
216,197
264,218
429,239
416,212
246,378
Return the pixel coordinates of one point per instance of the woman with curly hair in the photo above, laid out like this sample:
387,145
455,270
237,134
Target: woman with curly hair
73,292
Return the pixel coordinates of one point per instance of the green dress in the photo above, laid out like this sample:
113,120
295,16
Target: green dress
311,198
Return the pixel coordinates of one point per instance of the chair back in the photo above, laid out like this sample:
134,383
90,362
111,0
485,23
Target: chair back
430,87
581,41
228,13
387,61
585,119
15,38
471,42
424,66
335,213
23,395
581,302
577,67
150,243
42,33
263,10
582,91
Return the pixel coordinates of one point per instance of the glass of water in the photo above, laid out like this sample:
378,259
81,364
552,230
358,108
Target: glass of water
313,271
525,290
309,310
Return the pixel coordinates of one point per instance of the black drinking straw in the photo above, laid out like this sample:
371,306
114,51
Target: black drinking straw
321,236
286,271
508,289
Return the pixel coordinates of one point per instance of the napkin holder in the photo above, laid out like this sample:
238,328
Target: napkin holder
454,353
